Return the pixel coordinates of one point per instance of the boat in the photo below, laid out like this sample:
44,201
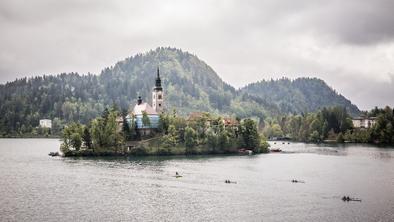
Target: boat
276,150
347,198
245,152
53,154
229,181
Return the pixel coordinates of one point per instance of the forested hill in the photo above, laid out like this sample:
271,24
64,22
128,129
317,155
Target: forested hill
299,95
189,84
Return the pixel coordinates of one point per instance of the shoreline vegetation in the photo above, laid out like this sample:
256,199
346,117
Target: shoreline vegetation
175,135
332,125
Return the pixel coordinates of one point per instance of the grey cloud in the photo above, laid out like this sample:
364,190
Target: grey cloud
358,22
333,40
352,21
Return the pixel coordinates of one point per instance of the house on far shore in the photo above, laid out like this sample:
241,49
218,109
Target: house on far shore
364,122
46,123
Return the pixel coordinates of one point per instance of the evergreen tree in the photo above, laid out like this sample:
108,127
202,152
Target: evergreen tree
76,141
87,138
145,119
190,139
249,135
126,129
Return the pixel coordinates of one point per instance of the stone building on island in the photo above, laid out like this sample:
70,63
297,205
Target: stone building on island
152,113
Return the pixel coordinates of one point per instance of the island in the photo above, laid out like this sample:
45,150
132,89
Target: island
153,130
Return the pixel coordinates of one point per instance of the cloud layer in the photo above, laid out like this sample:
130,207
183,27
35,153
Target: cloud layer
350,44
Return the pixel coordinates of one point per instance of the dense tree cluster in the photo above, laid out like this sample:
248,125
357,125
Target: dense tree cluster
209,134
333,124
100,134
300,95
205,134
311,127
381,132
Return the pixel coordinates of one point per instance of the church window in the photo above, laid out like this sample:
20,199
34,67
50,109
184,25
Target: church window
159,96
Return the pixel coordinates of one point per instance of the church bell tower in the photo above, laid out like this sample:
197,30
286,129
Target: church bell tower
157,95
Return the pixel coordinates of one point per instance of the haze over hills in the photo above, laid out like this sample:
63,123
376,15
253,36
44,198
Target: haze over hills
189,85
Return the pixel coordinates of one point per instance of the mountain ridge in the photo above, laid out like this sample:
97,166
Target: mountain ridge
190,84
294,91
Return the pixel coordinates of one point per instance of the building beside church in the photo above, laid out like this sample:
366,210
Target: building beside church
152,113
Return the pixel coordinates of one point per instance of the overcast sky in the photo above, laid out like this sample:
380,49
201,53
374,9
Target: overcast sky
349,44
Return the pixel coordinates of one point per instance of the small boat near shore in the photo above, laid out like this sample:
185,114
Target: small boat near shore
245,152
276,150
52,154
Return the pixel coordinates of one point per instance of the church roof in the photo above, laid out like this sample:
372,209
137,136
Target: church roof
138,109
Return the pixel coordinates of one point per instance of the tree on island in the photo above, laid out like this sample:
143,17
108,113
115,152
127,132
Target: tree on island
250,136
126,129
87,138
190,139
145,119
76,141
176,135
72,137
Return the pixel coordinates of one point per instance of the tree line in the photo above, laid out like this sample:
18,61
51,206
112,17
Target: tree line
105,135
382,132
333,124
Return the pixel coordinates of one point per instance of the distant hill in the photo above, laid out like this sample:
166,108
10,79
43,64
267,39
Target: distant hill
299,95
189,85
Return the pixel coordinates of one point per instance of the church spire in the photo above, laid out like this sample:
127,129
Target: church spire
158,94
158,81
158,72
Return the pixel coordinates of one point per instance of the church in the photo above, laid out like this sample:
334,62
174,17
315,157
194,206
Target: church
153,112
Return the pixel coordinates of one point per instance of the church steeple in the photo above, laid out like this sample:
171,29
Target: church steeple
158,94
158,81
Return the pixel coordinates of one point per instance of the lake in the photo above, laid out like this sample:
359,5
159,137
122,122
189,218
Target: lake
36,187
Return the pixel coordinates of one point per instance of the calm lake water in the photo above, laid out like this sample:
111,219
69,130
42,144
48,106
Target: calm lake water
36,187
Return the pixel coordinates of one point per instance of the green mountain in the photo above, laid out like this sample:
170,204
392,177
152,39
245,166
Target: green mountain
300,95
189,85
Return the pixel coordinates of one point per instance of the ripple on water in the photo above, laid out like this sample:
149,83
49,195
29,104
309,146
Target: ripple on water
36,187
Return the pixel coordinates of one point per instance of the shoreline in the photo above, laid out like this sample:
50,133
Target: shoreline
31,137
178,151
112,154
